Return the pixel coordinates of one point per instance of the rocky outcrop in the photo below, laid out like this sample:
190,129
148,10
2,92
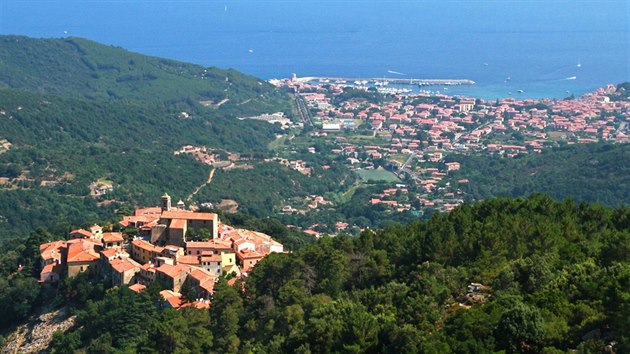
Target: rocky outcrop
36,335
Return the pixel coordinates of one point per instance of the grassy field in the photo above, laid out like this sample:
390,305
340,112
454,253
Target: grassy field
377,175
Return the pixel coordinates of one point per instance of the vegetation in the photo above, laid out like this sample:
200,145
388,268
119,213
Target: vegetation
76,112
598,173
82,68
549,277
280,183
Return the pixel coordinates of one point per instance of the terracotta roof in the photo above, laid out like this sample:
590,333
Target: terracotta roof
173,271
81,251
173,298
211,258
122,265
210,244
148,267
178,224
137,288
249,254
52,268
52,250
139,243
200,274
152,211
81,233
113,237
208,285
189,259
187,215
112,252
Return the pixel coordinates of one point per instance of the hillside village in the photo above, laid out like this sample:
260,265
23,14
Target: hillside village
186,251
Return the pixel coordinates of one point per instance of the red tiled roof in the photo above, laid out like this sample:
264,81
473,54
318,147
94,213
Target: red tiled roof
173,271
173,298
187,215
52,250
210,244
249,254
188,259
153,211
137,288
211,258
178,224
81,251
113,237
122,265
81,233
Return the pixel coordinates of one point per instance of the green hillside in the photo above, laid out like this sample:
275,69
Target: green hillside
589,172
75,112
79,67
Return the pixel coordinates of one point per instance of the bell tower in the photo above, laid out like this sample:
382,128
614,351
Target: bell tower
166,202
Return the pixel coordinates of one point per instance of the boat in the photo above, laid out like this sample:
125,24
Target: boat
579,65
520,91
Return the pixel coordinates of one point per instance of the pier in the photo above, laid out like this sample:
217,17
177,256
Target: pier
380,81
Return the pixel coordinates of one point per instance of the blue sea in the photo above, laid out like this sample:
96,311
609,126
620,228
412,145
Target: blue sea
546,48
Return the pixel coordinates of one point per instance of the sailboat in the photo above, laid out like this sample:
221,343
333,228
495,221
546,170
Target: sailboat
579,65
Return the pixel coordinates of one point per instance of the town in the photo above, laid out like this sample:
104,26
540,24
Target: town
184,250
412,140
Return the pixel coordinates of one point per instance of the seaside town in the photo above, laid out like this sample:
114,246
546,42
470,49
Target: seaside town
184,250
393,135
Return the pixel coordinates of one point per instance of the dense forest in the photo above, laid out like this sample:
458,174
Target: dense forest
513,275
597,173
79,67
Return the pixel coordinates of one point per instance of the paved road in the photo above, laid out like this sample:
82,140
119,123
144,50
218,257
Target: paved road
305,114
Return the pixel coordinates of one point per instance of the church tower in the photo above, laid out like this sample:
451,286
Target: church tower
166,202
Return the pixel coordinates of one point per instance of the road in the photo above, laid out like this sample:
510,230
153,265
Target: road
202,185
305,114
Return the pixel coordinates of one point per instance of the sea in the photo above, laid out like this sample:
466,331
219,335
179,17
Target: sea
519,48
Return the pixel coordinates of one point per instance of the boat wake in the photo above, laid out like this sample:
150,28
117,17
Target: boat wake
395,72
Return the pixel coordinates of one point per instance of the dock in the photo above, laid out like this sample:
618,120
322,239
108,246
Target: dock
385,81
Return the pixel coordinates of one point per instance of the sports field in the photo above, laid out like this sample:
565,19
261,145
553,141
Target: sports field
377,175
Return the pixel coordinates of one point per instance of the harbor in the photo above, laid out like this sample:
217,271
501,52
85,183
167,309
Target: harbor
383,81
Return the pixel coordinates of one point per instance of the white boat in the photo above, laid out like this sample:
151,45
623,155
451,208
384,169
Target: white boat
579,65
520,91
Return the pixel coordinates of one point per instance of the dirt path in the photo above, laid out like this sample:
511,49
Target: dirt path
202,185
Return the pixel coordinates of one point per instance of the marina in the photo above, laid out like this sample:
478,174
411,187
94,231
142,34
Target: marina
381,81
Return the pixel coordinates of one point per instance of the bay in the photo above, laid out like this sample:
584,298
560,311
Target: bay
543,48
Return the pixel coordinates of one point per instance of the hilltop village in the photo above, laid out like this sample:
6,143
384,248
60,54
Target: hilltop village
392,135
186,251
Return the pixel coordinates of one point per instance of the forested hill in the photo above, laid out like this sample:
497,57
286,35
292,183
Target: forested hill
79,67
74,112
598,173
548,277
